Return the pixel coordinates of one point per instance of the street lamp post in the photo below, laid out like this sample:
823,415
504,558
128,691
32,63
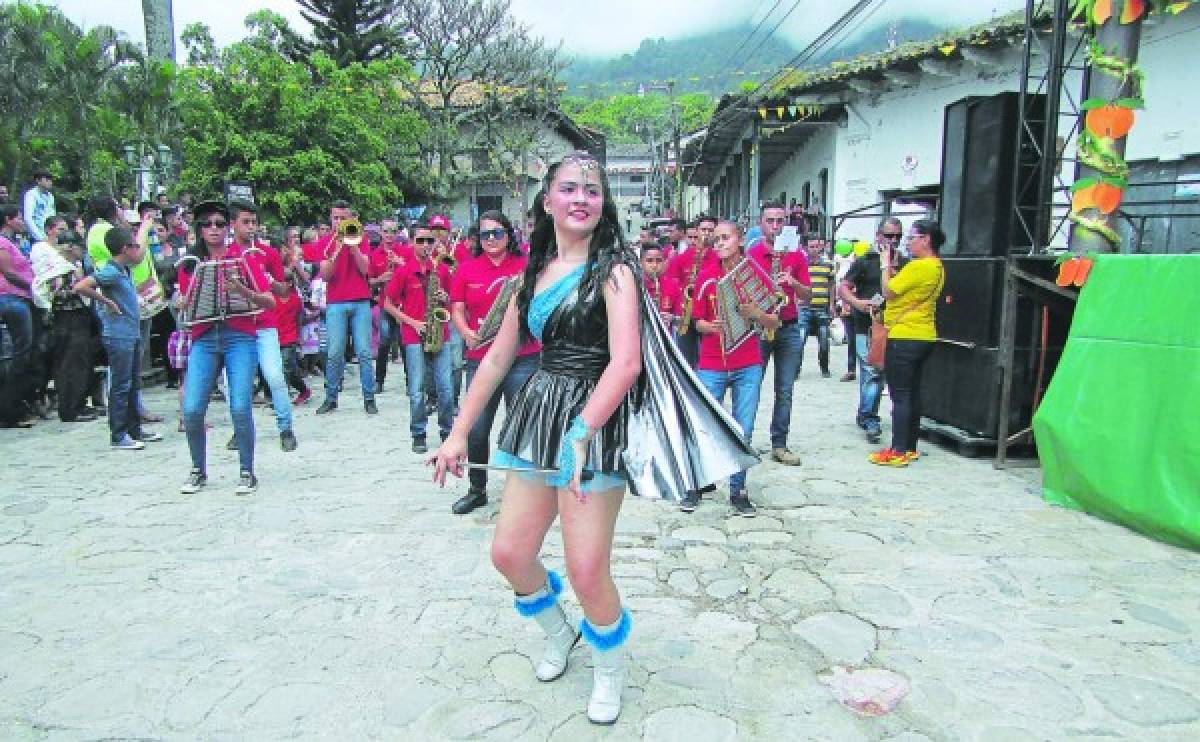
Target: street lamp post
150,167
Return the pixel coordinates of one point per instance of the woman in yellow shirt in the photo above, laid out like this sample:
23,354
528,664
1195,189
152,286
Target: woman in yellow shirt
912,295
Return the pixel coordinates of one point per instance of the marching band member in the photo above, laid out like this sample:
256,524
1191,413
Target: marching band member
390,256
790,272
476,286
231,342
739,369
663,290
344,268
244,222
685,268
424,332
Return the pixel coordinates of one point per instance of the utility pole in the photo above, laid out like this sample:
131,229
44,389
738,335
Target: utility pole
678,154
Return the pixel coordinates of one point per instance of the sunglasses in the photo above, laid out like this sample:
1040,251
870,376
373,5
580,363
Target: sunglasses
214,224
493,234
891,235
424,240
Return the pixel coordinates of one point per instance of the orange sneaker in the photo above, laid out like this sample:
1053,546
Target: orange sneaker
912,456
888,457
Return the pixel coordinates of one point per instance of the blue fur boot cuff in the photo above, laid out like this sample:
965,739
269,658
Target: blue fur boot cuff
531,605
610,639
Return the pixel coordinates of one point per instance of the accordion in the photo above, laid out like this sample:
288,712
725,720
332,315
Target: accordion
209,298
490,327
742,285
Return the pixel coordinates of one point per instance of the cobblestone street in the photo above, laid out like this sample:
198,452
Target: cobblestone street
344,601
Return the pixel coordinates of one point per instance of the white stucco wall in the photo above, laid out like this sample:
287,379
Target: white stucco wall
865,157
815,154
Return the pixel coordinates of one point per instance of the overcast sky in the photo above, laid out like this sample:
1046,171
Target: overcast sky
584,30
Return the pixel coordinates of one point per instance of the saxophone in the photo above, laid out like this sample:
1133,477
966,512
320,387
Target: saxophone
689,294
781,298
436,316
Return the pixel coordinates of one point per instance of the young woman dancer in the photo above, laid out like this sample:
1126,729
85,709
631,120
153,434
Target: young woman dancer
580,298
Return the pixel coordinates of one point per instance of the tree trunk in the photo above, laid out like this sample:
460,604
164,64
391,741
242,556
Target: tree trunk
1121,40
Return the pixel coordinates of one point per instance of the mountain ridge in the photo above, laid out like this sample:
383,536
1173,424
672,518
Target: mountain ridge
730,58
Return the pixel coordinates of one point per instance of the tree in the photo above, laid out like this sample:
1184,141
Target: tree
301,139
626,119
480,73
57,91
347,31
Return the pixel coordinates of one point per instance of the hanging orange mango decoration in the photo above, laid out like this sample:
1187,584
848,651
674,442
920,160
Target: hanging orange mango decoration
1109,120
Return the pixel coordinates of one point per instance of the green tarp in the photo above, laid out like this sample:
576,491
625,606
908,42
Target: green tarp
1118,432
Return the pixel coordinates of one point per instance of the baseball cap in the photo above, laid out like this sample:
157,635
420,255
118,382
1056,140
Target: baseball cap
437,221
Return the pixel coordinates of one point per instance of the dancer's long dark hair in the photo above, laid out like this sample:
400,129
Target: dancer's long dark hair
606,249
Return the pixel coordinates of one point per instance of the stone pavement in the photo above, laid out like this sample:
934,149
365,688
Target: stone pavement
343,600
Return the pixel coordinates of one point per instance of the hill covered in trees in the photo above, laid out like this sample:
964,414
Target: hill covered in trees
721,61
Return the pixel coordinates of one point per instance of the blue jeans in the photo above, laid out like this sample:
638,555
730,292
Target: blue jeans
341,319
744,383
786,348
870,385
238,352
17,314
417,361
815,321
125,365
480,436
270,362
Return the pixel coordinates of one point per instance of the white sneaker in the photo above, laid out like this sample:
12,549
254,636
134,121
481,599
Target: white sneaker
150,436
561,638
608,679
128,443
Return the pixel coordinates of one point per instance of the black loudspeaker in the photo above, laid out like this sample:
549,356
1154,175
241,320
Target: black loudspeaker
978,171
960,385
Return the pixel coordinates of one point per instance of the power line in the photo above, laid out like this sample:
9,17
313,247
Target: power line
746,39
826,36
776,28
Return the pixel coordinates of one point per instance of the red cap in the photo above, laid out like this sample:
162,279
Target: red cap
437,221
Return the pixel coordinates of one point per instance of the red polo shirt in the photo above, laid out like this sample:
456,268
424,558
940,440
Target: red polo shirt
379,258
407,292
245,324
670,295
679,268
287,316
272,265
477,283
346,283
711,358
793,263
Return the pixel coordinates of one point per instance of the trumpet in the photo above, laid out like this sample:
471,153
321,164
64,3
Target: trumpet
349,232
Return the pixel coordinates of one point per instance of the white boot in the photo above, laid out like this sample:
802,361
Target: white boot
561,638
608,668
608,678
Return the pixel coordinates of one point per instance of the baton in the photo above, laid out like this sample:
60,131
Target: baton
585,476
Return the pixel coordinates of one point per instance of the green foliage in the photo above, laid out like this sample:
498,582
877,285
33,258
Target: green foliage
65,109
711,63
627,119
303,133
347,31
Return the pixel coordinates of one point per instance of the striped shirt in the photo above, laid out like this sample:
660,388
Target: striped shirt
821,273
